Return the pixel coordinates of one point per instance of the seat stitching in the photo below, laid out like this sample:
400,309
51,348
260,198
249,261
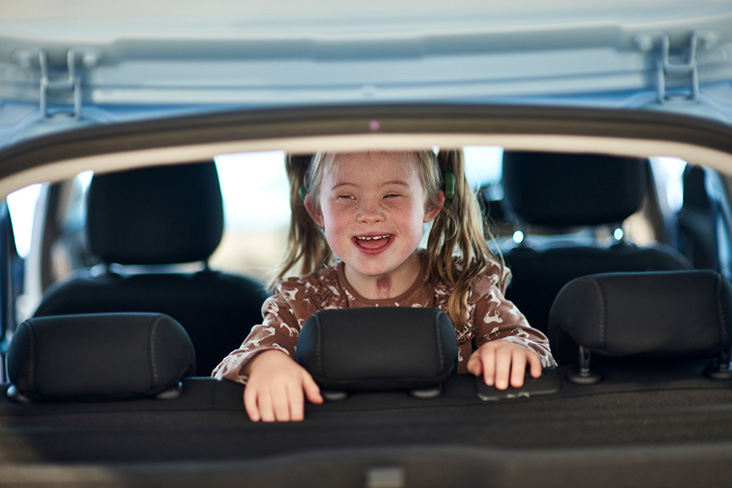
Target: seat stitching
439,341
153,365
32,347
318,346
723,329
603,311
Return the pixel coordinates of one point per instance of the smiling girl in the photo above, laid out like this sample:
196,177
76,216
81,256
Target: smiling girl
362,215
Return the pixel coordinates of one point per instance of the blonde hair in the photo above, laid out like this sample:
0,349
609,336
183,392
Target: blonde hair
459,229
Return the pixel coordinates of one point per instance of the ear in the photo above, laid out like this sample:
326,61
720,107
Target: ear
313,211
431,211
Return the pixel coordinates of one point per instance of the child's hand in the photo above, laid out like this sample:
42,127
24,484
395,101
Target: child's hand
275,388
500,361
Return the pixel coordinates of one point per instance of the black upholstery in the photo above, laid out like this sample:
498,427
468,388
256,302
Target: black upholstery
159,215
566,191
379,348
153,216
661,314
93,357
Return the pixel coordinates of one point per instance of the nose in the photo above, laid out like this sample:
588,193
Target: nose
369,212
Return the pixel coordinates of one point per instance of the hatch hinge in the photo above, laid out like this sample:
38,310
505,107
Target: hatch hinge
61,85
677,74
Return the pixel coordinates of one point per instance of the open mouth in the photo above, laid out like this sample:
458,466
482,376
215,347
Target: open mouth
372,242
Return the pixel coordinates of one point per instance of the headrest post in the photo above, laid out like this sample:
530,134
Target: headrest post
17,397
583,374
720,369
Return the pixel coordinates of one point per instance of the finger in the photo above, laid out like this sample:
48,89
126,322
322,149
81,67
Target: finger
503,367
534,364
518,367
488,363
281,404
250,404
311,388
266,410
474,365
296,403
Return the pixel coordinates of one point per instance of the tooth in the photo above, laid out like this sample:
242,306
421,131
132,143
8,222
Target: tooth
371,238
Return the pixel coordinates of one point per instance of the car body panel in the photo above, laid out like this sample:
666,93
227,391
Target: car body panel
67,69
307,129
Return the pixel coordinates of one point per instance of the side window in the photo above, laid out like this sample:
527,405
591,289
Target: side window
695,204
10,282
721,214
483,165
22,205
69,250
668,182
256,211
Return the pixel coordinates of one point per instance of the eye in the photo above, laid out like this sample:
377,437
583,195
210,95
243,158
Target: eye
391,195
345,197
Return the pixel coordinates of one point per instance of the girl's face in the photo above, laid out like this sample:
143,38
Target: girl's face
372,207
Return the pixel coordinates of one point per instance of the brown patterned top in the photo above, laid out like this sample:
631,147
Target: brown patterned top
490,315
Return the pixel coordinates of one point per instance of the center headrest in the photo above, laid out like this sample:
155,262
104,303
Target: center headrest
158,215
565,190
378,348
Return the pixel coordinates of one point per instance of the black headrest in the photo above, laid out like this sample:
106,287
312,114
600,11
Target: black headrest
159,215
378,348
565,190
652,314
98,356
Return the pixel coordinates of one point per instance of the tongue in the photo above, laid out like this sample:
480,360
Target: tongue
373,243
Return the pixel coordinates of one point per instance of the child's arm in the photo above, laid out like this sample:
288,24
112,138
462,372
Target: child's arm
503,362
275,388
276,385
505,342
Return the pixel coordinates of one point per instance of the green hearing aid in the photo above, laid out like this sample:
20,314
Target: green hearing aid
302,191
449,185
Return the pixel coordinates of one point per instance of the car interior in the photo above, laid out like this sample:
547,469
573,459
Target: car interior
175,214
558,191
107,379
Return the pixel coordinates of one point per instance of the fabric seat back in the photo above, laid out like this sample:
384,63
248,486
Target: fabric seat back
162,216
560,192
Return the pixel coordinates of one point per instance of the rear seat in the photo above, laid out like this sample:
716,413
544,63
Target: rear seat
153,217
57,362
557,193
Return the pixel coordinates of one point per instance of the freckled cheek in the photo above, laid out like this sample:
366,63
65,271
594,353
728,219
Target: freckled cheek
335,228
417,224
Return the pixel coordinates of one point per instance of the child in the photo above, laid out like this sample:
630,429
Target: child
368,210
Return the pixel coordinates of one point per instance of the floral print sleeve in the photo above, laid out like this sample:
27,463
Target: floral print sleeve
284,313
490,317
496,318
